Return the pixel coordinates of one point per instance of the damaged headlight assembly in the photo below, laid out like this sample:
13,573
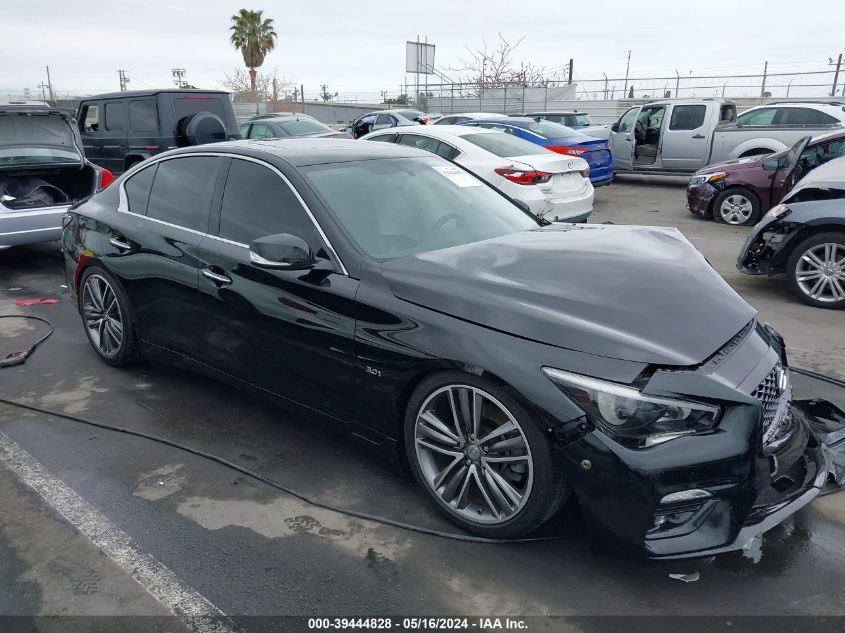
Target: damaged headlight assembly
631,416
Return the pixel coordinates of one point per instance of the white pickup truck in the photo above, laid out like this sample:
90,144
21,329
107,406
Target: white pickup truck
681,136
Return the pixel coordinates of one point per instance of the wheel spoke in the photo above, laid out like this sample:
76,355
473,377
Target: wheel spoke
462,500
455,417
817,288
504,486
507,427
810,258
477,406
458,477
447,471
836,289
484,492
464,410
435,429
505,459
808,276
439,449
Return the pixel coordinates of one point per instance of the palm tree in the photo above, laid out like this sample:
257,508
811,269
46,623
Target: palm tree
254,37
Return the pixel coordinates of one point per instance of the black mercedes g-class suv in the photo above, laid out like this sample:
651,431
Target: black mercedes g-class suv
120,129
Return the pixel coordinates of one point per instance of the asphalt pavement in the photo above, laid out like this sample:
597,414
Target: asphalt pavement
90,516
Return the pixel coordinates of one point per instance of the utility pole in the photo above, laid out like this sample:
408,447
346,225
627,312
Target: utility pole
627,68
765,72
42,85
569,76
605,86
836,75
178,75
53,96
677,82
124,80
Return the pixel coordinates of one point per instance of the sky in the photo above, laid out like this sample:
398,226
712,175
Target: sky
358,48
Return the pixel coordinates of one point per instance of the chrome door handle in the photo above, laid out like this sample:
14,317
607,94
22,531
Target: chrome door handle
216,277
698,136
119,244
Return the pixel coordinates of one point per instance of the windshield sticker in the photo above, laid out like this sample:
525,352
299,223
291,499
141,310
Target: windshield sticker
457,175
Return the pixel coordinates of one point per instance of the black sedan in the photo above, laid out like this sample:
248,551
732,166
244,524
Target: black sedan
513,363
804,237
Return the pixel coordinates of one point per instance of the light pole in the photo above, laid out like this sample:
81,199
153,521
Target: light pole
836,75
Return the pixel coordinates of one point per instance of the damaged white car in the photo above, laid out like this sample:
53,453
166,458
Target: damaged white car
43,171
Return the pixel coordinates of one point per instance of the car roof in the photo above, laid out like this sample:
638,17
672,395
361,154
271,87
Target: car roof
511,120
300,152
149,93
829,136
434,131
281,117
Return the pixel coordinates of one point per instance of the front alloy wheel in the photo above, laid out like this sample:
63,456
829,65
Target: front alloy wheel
481,459
473,454
817,271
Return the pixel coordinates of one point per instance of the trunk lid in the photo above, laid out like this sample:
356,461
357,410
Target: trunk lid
33,136
566,171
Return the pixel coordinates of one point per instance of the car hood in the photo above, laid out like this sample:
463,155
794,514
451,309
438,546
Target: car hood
641,294
740,164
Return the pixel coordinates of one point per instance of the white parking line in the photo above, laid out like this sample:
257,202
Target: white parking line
190,607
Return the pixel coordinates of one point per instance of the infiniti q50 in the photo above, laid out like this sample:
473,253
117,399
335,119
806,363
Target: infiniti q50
513,363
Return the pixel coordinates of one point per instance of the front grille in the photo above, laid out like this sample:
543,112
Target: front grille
775,395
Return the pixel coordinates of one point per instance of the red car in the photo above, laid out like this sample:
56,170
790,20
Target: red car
739,191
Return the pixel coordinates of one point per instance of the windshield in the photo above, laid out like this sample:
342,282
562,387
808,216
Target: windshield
304,127
582,119
505,145
402,206
549,129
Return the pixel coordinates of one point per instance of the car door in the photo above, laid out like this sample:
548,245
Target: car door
90,128
622,140
383,121
685,139
154,241
113,135
363,126
290,333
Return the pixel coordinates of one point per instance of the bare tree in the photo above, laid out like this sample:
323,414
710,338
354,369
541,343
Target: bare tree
269,86
488,67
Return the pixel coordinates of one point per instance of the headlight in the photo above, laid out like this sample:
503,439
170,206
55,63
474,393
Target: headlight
627,413
779,211
700,179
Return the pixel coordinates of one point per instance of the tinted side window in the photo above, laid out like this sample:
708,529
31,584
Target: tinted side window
766,116
687,117
142,115
138,190
89,118
805,116
115,117
259,130
182,191
258,203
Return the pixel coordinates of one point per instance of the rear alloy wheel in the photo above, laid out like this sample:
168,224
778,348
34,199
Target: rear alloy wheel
481,459
816,271
105,314
736,206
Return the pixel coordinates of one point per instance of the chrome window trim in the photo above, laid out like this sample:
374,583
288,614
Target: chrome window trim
123,204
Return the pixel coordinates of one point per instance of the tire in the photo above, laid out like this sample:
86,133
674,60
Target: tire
803,273
450,474
117,344
738,206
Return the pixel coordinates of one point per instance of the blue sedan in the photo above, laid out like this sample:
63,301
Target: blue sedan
558,138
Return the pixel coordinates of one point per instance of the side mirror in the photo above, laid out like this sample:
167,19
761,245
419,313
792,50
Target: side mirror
283,251
615,127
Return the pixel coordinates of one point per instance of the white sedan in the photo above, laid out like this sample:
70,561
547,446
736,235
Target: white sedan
554,187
